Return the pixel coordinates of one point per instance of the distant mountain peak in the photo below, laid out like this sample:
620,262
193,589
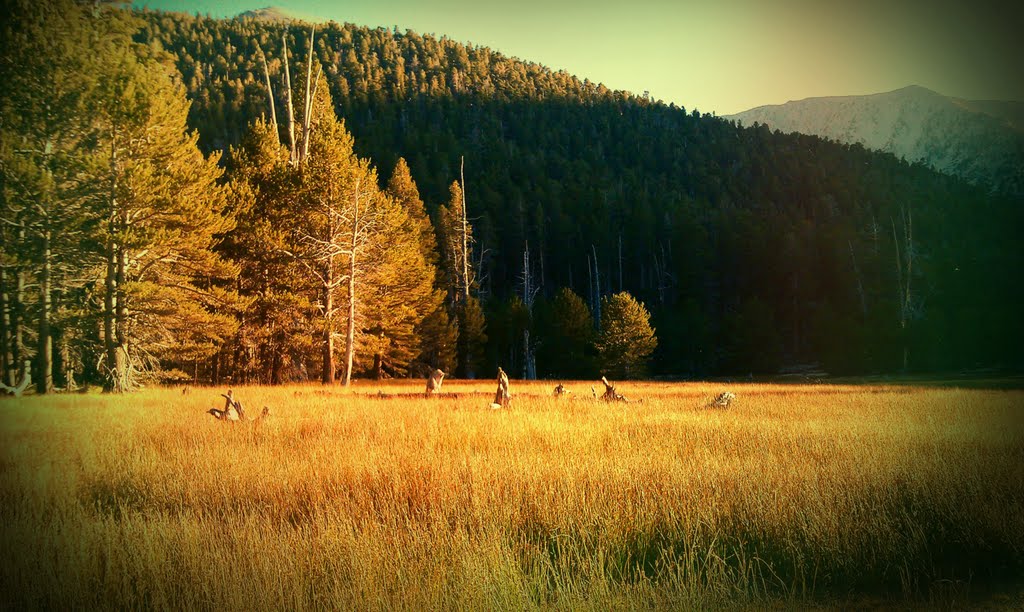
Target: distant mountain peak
279,14
980,141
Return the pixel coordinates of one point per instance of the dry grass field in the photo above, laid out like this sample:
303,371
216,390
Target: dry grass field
811,495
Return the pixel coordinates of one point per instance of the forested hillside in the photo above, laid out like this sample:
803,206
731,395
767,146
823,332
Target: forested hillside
751,250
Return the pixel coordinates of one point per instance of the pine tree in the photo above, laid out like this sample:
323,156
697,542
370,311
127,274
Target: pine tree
566,337
164,211
626,339
50,55
403,190
274,333
434,332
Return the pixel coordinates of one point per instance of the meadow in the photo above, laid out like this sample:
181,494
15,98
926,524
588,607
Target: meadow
806,495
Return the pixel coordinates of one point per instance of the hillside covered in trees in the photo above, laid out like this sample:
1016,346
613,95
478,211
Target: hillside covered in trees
504,204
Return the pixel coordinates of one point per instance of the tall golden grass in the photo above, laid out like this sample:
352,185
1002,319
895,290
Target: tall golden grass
816,494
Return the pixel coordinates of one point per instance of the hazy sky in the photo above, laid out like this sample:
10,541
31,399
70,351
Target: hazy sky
722,56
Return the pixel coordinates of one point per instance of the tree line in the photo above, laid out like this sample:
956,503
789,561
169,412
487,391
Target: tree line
133,257
194,198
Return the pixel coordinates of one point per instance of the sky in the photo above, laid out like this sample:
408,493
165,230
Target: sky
722,56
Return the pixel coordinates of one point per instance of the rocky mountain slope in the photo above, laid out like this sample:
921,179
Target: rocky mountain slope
980,141
279,15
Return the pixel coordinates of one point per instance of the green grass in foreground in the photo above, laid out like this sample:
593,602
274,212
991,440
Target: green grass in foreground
809,495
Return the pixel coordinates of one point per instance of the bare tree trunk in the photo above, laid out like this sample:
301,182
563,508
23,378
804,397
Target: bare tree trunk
590,284
215,369
63,368
328,372
529,362
20,354
275,366
291,109
350,331
860,284
465,230
44,354
109,300
466,282
123,375
597,290
7,369
620,262
378,366
309,96
904,270
270,92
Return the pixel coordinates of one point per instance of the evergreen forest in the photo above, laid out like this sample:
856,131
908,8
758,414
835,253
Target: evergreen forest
193,199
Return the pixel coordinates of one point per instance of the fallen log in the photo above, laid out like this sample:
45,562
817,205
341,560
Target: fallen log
610,394
19,388
233,410
722,400
380,395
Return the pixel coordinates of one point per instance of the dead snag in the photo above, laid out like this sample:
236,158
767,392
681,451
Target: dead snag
610,394
434,382
501,396
231,402
232,411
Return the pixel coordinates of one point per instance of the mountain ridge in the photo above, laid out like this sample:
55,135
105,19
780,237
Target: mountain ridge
277,14
981,141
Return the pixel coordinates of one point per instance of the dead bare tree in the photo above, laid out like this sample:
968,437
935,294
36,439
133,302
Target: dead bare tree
270,90
620,261
860,284
904,271
597,290
465,229
529,295
291,109
308,110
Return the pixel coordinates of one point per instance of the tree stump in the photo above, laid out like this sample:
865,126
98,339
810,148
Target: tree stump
501,396
610,394
434,382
